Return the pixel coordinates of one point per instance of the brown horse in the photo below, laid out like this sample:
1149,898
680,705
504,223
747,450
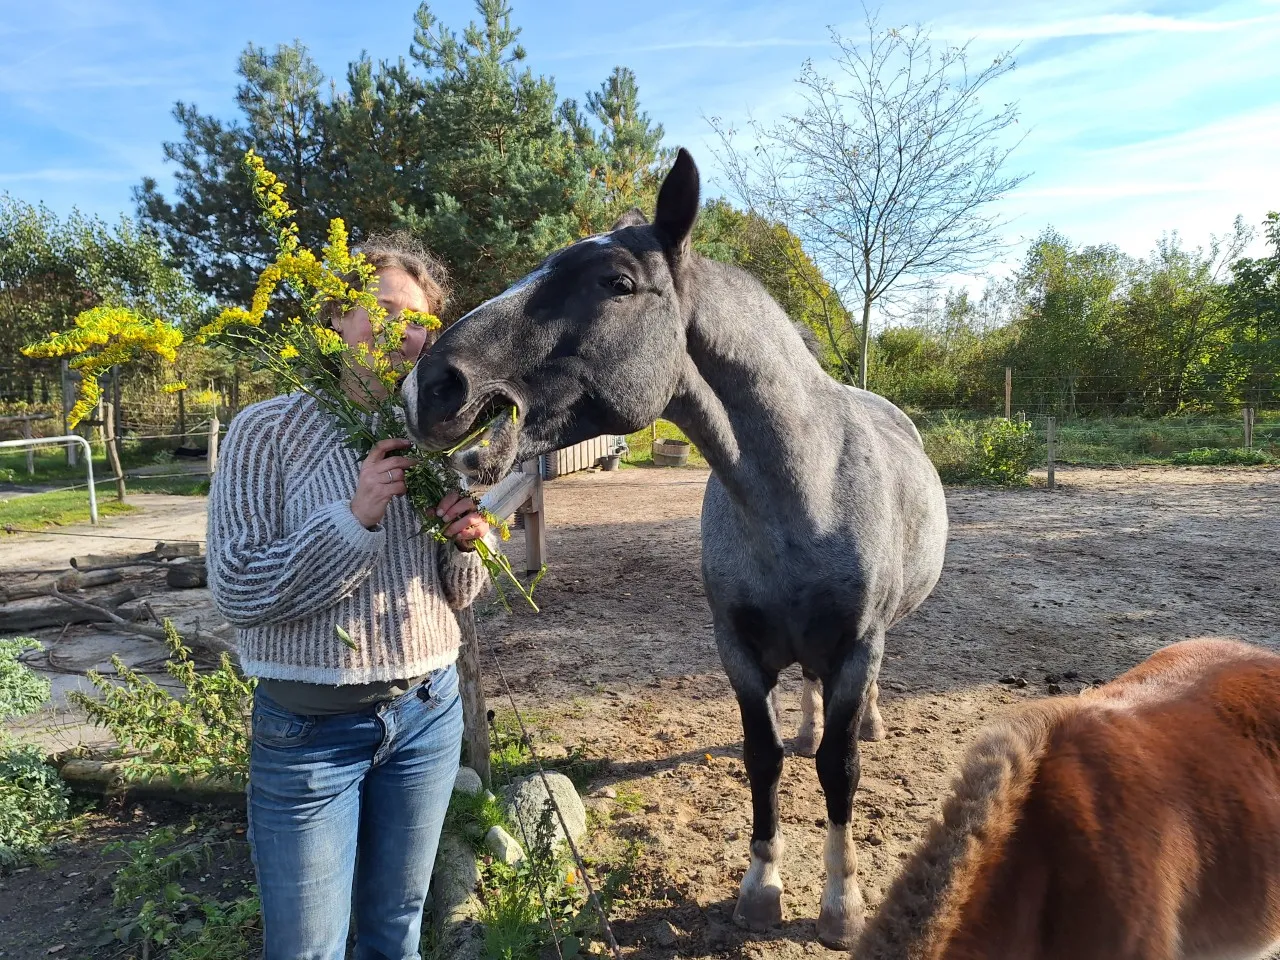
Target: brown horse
1139,821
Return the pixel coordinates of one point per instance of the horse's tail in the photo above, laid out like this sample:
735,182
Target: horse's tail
921,911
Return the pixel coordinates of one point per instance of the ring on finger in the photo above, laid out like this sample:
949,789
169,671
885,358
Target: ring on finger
391,477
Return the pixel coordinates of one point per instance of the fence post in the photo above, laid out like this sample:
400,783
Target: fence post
535,523
1008,391
113,450
1248,428
214,426
31,452
1051,434
475,715
66,412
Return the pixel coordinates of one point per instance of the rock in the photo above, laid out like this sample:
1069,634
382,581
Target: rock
665,935
1071,675
525,799
503,845
606,793
467,782
552,751
1054,689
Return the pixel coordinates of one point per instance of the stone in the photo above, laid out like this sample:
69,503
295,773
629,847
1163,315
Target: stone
503,845
606,793
665,935
467,782
524,800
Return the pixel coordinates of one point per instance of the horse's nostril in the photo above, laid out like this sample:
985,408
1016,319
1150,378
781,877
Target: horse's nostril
445,394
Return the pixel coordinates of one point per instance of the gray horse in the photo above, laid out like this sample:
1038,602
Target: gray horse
823,522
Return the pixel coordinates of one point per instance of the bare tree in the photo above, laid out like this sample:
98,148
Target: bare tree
889,172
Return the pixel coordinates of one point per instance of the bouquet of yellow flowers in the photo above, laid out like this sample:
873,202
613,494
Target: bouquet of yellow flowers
303,352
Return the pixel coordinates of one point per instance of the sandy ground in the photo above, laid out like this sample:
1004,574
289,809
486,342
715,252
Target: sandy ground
1083,582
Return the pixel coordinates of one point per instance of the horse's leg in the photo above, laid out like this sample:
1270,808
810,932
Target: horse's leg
810,733
760,898
846,693
872,728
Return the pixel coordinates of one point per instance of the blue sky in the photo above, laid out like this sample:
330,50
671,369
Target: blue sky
1139,119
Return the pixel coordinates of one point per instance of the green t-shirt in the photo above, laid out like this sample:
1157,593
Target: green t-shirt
322,699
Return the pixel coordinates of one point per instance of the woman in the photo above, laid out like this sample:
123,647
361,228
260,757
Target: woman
355,747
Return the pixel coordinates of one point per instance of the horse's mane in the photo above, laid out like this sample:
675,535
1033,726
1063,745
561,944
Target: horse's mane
921,909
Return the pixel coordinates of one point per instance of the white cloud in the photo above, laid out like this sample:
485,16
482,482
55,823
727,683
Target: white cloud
1103,25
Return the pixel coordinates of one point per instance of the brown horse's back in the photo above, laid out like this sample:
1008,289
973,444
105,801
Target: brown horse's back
1149,827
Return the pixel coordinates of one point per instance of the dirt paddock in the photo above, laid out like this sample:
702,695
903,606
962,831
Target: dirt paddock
1050,591
1042,588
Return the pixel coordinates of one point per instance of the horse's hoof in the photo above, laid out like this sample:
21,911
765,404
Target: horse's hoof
807,743
759,908
872,730
839,929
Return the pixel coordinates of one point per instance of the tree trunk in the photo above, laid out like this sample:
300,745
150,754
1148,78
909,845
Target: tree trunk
866,342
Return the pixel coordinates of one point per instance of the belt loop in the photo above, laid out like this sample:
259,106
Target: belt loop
424,688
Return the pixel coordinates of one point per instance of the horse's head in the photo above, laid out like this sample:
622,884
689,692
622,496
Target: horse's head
592,342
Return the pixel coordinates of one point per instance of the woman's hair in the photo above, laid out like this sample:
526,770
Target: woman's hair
400,249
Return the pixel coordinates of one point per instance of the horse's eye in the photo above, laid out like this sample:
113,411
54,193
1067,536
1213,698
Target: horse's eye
621,284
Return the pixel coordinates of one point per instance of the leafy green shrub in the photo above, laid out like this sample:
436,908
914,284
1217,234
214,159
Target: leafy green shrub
1007,449
1210,456
33,801
994,451
21,690
206,733
164,913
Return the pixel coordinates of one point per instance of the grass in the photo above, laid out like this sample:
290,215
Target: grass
1118,441
640,445
55,509
51,468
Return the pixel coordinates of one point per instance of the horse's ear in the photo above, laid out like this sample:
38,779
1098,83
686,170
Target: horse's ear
632,218
678,204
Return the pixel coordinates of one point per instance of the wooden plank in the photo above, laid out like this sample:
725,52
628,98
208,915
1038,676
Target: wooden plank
535,523
475,715
505,497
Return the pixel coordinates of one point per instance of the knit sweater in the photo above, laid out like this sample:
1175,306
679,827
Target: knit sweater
289,562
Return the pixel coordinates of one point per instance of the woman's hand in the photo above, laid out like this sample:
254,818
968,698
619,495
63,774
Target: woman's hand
463,522
381,478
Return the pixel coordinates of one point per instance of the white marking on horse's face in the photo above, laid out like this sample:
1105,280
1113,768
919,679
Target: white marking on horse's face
409,396
511,291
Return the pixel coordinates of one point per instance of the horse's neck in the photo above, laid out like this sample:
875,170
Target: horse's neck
752,399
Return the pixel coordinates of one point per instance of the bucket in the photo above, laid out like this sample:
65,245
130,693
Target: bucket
611,461
671,453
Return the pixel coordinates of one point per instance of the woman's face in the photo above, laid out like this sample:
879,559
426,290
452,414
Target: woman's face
397,292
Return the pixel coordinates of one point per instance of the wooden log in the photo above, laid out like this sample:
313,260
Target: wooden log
105,778
63,609
172,551
74,580
475,715
187,574
106,561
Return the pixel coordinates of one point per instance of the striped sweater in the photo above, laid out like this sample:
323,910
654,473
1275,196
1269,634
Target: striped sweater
289,562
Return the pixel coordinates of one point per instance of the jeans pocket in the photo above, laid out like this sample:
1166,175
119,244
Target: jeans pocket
441,687
274,726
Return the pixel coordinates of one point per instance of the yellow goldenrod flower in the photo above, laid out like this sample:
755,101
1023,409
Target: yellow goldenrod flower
288,351
176,387
327,340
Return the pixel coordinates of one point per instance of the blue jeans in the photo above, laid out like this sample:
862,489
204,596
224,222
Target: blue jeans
351,801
